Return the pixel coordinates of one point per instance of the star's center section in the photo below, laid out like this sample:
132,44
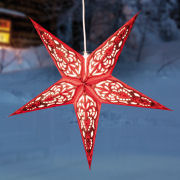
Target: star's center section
85,83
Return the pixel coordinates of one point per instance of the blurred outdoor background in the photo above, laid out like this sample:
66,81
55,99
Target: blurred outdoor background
131,143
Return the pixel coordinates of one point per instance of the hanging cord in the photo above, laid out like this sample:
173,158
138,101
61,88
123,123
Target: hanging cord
84,28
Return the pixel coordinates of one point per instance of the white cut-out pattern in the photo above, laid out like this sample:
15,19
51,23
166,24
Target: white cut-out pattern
115,92
58,94
66,60
105,57
87,116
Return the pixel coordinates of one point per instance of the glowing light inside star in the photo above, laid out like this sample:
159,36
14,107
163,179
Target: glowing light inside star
85,55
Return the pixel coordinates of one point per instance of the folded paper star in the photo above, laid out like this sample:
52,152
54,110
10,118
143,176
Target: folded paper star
87,82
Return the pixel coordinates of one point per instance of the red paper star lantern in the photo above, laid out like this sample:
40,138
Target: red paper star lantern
87,82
